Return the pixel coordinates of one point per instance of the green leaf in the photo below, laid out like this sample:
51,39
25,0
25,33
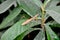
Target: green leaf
20,37
29,7
46,2
50,34
52,5
6,5
10,17
38,3
53,24
1,34
1,0
55,15
17,29
40,36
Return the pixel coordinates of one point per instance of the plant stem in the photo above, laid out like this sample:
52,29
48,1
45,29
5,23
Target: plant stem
43,13
43,19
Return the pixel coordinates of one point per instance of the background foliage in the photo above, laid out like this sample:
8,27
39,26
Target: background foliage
16,12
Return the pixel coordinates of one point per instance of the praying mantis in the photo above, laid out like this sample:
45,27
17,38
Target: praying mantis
29,20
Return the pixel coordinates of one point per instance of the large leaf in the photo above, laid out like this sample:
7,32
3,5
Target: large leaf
40,36
6,5
10,17
50,34
17,29
20,37
38,2
52,5
55,15
30,7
